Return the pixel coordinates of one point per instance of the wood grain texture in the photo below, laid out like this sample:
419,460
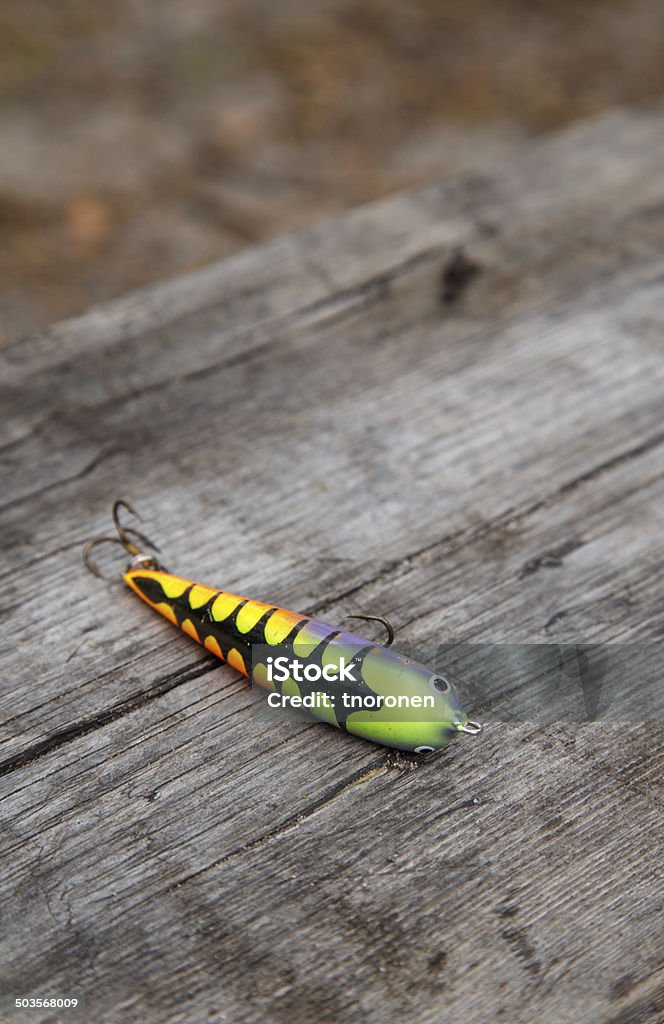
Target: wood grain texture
445,408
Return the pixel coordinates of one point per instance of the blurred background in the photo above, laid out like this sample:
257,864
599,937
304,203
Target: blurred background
140,139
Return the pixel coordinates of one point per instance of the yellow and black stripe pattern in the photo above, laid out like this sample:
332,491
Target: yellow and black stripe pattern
225,624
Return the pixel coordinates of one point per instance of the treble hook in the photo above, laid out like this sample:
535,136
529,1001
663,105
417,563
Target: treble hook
125,533
383,621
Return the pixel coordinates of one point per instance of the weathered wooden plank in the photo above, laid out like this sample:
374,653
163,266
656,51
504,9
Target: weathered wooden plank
468,463
477,890
345,420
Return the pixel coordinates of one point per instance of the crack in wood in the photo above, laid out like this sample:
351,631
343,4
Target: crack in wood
551,559
377,767
87,725
103,454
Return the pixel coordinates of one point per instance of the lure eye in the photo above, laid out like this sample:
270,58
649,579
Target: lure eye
440,683
423,750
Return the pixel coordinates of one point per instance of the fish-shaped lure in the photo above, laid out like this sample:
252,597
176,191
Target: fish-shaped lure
346,680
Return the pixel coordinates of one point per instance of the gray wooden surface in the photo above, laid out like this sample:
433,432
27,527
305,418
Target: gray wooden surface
445,408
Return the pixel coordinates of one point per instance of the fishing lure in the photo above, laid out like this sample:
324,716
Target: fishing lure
346,680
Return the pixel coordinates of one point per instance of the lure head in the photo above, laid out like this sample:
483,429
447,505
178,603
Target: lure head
421,709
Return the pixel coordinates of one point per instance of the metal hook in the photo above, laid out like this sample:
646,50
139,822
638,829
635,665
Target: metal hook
124,539
124,531
95,542
383,621
474,728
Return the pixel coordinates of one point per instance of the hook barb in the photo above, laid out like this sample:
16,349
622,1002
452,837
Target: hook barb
89,547
125,531
383,621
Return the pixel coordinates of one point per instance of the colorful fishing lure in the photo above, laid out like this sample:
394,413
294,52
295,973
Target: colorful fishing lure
339,677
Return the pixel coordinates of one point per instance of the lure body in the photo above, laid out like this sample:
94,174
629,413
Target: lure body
234,628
